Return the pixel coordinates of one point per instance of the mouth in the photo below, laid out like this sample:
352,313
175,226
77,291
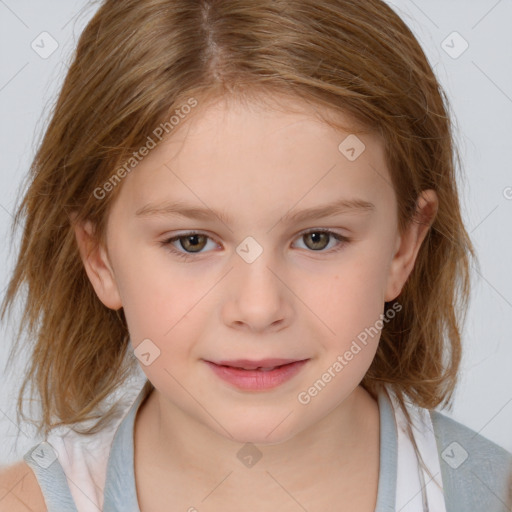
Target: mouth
264,365
257,375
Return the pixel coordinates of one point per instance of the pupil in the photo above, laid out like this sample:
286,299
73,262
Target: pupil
193,242
318,238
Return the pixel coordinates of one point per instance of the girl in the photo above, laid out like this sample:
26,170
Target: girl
254,203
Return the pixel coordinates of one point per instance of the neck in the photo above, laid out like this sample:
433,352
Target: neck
344,443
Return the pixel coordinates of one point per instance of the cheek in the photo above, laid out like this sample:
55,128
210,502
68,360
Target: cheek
351,297
156,294
163,311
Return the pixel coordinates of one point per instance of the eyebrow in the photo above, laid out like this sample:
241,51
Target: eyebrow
182,209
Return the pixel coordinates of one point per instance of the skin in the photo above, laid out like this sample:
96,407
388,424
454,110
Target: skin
256,164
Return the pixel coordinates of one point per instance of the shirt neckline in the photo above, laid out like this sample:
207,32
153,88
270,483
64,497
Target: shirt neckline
120,491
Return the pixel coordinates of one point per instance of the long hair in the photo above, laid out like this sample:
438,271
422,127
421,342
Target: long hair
136,63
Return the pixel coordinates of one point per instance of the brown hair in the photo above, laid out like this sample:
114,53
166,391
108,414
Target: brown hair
139,60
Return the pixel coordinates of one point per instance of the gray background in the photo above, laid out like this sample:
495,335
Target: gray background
479,85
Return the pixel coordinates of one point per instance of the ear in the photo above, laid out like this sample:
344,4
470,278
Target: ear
409,243
97,265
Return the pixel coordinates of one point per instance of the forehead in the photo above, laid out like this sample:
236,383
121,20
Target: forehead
260,153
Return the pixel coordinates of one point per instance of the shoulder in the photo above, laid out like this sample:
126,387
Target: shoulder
474,469
466,444
19,489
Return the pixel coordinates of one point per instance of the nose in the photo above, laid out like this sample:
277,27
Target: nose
258,299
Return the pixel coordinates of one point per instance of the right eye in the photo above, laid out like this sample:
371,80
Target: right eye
189,243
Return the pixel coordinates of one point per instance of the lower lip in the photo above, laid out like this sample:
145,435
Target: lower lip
257,379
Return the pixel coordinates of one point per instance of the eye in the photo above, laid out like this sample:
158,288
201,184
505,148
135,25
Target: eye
187,243
319,239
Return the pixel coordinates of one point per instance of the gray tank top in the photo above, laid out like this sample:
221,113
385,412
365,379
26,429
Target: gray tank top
479,483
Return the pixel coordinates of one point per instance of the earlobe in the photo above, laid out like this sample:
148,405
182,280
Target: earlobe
409,243
97,265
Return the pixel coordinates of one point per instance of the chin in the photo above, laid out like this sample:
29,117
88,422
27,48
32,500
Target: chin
259,433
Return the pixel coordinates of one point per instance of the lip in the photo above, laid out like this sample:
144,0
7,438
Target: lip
249,364
257,380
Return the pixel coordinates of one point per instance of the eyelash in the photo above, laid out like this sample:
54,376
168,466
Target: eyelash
190,256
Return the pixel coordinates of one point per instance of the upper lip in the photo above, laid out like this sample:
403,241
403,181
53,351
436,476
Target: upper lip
249,364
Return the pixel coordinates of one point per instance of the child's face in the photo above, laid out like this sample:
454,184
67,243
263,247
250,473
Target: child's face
227,301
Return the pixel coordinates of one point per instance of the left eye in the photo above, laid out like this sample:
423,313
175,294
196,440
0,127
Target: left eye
319,240
194,243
